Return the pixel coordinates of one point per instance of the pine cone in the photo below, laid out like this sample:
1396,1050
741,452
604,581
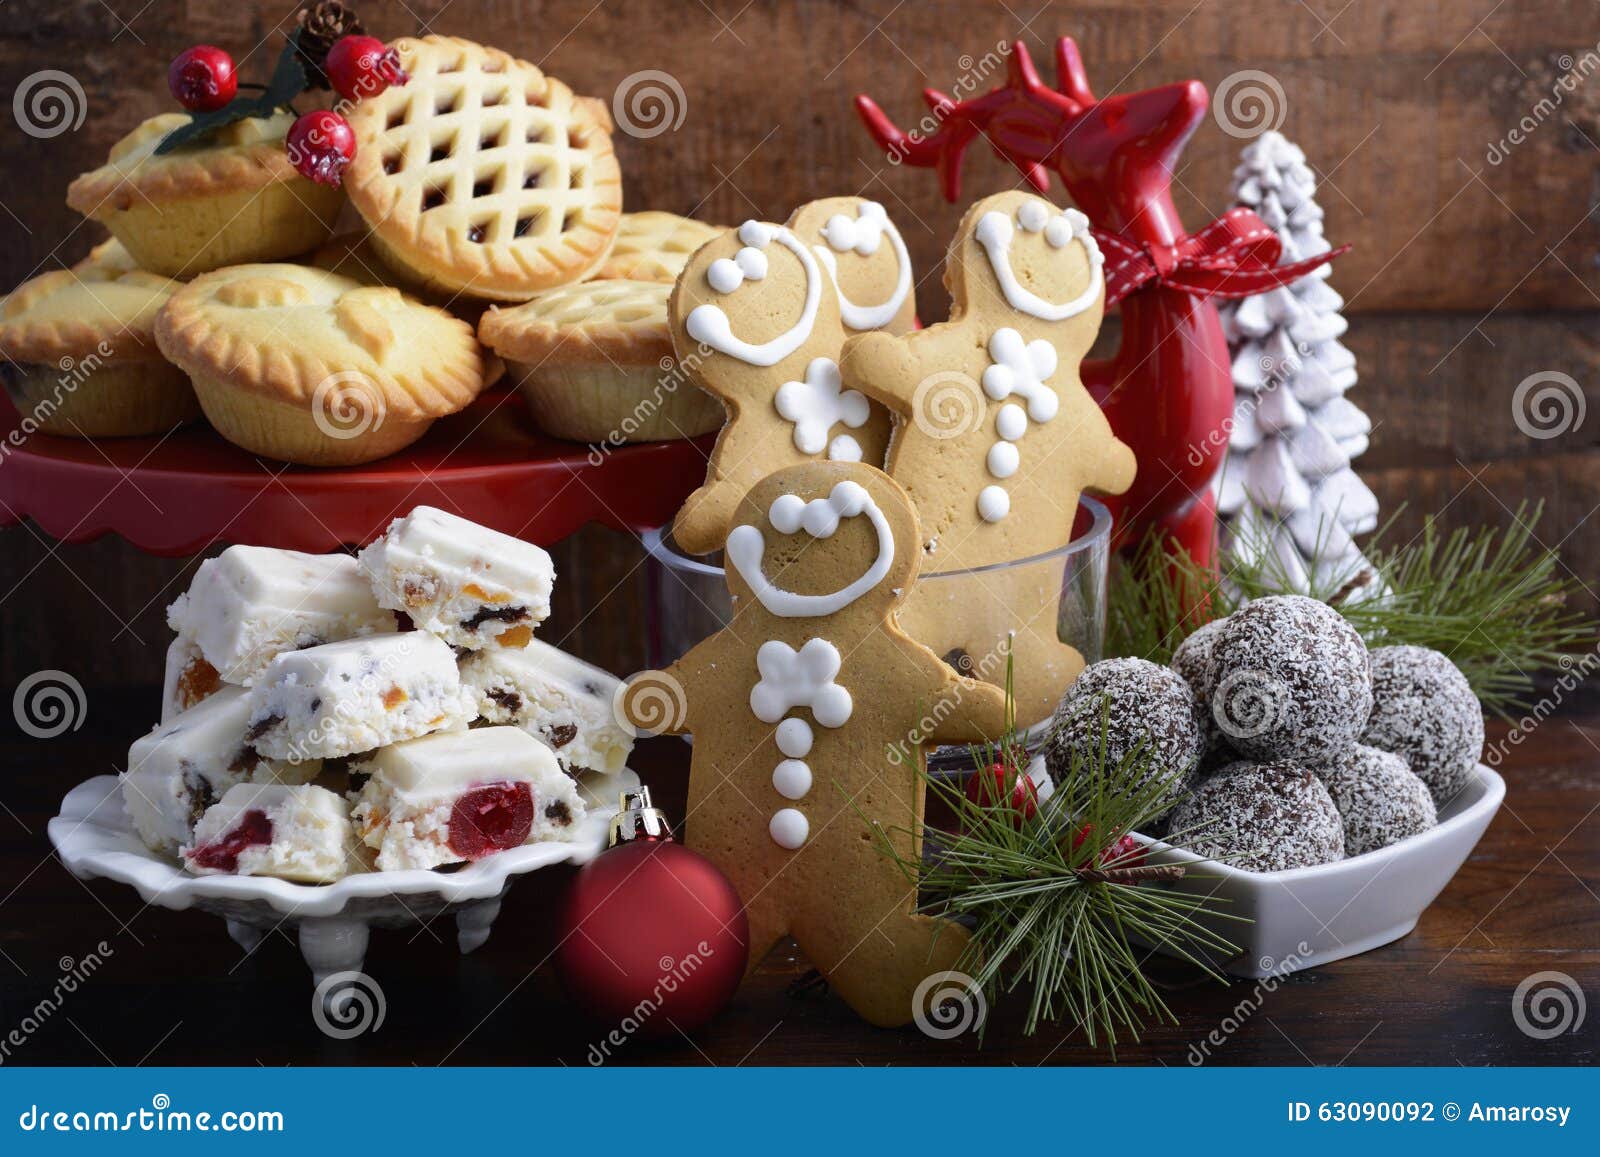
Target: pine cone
322,24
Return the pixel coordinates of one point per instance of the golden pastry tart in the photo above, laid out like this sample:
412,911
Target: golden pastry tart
232,199
109,255
655,246
307,366
81,356
482,175
595,362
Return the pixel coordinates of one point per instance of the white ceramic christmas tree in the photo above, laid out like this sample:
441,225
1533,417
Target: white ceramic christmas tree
1288,489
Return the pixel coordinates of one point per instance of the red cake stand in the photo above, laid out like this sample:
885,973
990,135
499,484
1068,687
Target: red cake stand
179,494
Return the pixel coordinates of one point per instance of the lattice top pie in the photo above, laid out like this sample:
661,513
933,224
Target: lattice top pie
482,175
624,322
655,246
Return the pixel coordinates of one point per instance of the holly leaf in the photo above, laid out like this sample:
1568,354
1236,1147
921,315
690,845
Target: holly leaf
288,81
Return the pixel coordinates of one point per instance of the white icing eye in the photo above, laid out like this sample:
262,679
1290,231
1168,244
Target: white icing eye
839,232
993,503
725,275
1059,232
1003,460
786,513
752,263
1011,423
757,233
1032,215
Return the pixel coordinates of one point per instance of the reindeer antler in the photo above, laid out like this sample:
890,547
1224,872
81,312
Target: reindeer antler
1023,120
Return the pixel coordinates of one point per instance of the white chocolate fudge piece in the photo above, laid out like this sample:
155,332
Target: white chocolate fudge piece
294,833
463,795
344,698
469,585
188,678
188,763
252,603
555,697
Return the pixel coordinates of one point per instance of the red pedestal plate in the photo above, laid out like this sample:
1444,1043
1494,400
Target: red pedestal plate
180,494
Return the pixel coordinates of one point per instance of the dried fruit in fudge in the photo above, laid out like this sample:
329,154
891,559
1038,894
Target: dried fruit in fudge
491,819
253,830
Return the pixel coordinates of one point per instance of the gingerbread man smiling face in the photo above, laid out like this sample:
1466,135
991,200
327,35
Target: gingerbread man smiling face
808,712
758,318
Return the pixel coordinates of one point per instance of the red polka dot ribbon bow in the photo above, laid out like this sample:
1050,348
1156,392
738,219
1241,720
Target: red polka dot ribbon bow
1234,256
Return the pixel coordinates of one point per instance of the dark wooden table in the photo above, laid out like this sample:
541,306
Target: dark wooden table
175,990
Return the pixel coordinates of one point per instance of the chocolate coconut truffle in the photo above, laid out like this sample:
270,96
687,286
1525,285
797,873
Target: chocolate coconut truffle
1291,681
1147,708
1194,661
1262,817
1381,800
1424,711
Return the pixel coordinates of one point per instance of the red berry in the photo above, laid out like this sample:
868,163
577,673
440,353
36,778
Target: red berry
202,78
253,830
363,66
321,144
987,788
1123,852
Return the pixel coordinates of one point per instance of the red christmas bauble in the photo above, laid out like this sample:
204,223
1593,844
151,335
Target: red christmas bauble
653,938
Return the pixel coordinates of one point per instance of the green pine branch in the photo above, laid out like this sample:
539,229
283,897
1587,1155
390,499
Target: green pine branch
1496,601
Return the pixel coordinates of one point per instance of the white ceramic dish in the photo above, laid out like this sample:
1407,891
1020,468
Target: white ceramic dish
94,837
1311,916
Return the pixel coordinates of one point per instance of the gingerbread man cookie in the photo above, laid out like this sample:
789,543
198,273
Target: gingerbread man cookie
998,435
809,711
758,318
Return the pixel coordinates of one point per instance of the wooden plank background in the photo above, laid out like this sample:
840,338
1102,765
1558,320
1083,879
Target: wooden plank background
1472,271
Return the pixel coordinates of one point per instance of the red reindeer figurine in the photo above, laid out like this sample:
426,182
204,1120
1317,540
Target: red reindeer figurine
1168,391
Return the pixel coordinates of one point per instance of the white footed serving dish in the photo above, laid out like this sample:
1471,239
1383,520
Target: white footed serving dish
1305,917
95,838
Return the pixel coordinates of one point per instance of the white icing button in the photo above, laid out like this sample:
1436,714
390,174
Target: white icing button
993,503
794,738
1003,459
1032,215
1012,422
844,448
792,779
724,275
789,828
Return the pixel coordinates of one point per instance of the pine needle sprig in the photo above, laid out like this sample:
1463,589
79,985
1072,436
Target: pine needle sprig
1049,917
1496,601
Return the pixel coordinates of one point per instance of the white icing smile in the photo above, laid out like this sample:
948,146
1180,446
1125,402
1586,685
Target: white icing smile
994,233
862,234
819,403
819,518
709,323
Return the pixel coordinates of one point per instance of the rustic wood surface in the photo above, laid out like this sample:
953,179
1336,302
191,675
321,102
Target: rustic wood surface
175,990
